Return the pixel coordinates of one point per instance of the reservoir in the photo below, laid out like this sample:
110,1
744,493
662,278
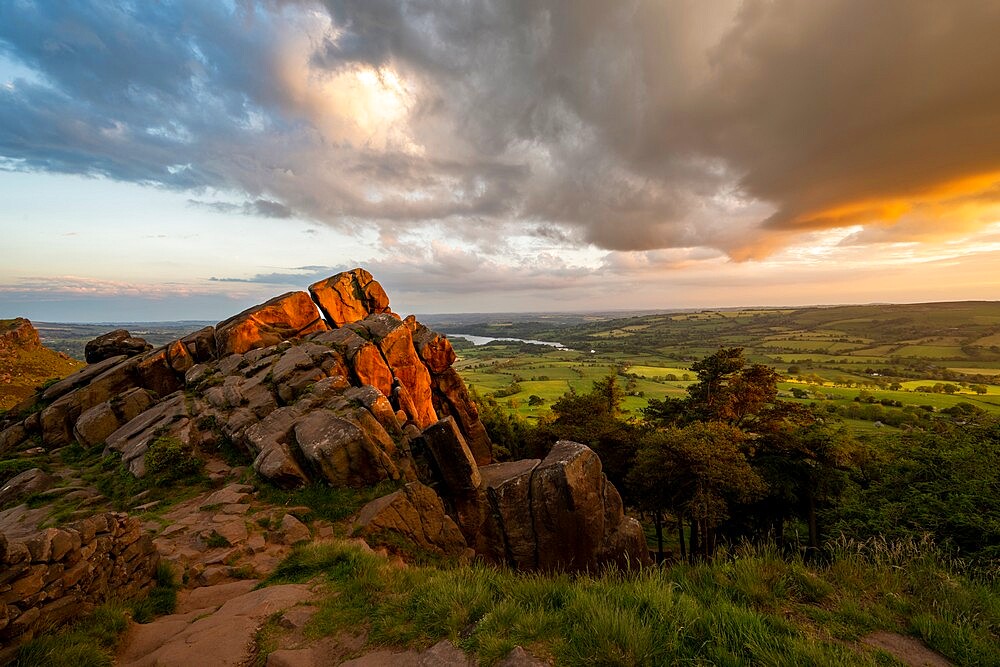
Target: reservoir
482,340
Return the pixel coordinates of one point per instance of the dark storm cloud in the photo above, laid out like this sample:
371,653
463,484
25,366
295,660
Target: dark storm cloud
632,125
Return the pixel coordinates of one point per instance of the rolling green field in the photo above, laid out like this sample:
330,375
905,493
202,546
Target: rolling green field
927,357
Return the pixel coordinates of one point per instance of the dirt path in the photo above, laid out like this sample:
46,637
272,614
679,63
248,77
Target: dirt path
907,650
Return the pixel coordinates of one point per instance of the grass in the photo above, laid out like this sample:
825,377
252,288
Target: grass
750,607
324,502
30,369
90,642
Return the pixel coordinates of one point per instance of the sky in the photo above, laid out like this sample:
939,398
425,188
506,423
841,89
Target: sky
185,159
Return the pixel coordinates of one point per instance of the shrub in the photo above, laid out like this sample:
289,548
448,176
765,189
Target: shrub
169,459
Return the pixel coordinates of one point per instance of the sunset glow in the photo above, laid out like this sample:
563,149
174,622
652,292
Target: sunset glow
578,155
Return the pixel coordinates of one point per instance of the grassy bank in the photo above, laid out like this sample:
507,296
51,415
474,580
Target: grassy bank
752,606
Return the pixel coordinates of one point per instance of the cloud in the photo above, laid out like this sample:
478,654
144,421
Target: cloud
635,126
264,208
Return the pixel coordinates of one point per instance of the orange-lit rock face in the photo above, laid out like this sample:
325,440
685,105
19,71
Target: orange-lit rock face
451,398
349,297
435,350
363,358
287,316
393,338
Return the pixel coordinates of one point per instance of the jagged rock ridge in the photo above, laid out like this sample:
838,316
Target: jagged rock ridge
332,386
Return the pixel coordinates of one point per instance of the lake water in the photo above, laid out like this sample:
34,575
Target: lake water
482,340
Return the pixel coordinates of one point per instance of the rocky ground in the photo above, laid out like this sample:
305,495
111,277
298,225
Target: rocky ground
221,543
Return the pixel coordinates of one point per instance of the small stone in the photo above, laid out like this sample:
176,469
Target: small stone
294,531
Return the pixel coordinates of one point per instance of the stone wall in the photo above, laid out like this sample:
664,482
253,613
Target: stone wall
62,573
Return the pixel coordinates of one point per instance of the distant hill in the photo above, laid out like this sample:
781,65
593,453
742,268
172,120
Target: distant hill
25,363
957,332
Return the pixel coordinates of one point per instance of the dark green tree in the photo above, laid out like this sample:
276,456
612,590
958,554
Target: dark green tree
698,473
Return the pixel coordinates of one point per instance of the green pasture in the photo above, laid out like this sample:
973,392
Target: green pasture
989,402
661,371
973,370
987,341
800,358
931,352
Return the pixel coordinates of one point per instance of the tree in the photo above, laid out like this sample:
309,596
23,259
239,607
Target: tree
610,393
805,468
593,419
727,390
534,400
697,473
942,484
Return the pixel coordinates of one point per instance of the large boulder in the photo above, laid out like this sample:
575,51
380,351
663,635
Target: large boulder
560,514
114,343
349,296
288,316
415,514
270,441
453,471
347,451
100,421
56,421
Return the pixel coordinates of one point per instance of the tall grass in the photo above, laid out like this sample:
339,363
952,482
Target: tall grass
753,606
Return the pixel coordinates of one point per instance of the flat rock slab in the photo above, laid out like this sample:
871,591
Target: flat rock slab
22,521
212,596
442,654
222,638
907,650
326,651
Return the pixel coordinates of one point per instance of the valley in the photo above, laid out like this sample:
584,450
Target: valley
889,365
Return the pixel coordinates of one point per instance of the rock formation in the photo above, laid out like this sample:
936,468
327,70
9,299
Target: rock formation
349,297
336,388
25,363
62,573
114,343
284,317
18,333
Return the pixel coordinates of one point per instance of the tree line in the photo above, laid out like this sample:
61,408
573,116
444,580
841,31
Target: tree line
731,461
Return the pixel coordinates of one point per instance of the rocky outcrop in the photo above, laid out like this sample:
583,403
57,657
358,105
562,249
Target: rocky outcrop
98,422
284,317
414,513
113,344
349,297
18,333
395,341
375,399
558,514
26,363
62,573
449,396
